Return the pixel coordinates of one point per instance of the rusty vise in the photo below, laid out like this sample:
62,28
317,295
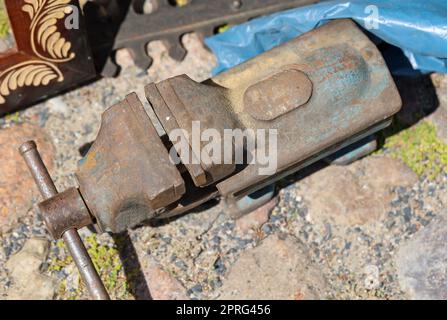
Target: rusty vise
321,92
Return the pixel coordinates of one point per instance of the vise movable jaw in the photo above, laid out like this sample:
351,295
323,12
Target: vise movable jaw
321,92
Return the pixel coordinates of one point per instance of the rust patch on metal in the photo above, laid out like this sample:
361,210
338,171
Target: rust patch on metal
278,94
64,211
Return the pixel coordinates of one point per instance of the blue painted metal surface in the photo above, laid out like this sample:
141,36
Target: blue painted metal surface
353,152
255,200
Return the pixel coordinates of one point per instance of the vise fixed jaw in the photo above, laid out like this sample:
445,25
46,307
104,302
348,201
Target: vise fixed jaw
319,93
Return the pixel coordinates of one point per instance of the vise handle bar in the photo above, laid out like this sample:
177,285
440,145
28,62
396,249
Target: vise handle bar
72,240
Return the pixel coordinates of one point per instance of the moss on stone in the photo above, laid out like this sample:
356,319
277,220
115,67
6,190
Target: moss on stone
4,21
420,148
181,3
223,28
106,260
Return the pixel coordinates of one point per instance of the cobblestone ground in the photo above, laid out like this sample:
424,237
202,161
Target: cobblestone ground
340,232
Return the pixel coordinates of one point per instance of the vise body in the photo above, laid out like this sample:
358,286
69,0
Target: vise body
318,93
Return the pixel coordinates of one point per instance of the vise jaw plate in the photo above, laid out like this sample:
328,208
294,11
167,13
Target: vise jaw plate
127,174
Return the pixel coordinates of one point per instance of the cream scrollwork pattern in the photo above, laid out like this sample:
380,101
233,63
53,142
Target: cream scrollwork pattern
44,15
47,44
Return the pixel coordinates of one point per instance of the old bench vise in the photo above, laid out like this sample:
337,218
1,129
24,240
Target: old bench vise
321,92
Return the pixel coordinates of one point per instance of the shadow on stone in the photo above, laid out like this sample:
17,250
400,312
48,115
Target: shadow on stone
419,100
132,268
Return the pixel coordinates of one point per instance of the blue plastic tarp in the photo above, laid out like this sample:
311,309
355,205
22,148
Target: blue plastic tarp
417,27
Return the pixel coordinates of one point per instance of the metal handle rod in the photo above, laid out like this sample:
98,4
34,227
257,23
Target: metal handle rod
73,241
85,265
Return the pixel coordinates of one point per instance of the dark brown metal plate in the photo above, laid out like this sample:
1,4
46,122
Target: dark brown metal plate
116,24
